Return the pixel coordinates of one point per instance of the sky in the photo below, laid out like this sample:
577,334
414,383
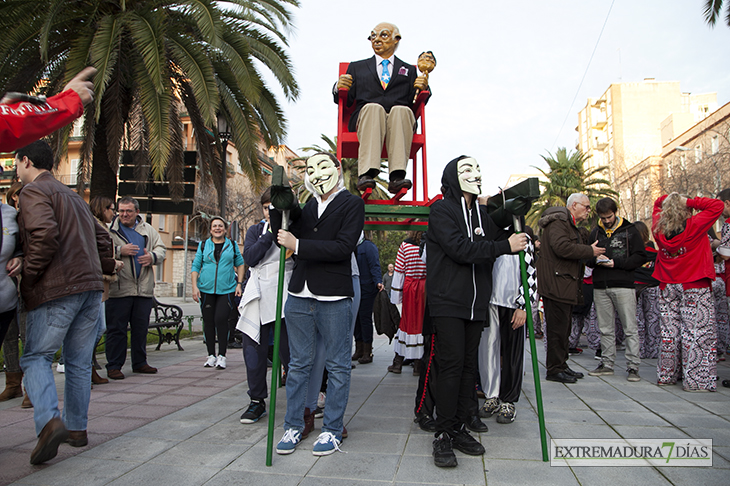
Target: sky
508,72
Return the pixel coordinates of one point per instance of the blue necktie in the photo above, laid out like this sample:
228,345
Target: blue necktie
385,77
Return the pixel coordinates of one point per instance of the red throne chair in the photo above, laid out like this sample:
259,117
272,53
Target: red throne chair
347,146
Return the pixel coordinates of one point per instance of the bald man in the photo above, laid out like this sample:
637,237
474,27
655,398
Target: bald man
383,88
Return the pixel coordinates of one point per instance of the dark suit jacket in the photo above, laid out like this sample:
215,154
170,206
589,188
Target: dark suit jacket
366,87
326,244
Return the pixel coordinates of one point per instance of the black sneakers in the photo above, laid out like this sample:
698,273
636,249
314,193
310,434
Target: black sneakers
463,441
443,453
255,411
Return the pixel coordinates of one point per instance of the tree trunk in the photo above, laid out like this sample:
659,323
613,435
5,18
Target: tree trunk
103,179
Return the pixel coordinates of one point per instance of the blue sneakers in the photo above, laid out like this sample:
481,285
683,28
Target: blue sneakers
289,442
326,444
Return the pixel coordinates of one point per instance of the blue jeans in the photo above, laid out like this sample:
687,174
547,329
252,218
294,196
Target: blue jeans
70,321
304,319
315,383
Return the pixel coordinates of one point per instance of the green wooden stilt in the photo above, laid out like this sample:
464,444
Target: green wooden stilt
277,337
533,348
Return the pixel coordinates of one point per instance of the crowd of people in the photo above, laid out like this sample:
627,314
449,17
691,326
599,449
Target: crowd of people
70,272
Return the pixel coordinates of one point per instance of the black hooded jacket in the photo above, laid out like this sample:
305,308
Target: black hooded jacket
459,259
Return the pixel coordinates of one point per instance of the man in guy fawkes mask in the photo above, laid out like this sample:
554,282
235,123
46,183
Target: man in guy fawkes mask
463,243
323,236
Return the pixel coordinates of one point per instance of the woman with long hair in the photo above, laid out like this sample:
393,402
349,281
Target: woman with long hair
102,208
10,305
685,270
217,275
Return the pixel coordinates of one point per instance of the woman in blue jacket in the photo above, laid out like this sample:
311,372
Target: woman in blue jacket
214,285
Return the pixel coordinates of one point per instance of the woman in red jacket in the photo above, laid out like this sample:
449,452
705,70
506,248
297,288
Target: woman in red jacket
685,270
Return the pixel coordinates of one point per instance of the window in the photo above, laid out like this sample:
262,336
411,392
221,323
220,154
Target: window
159,271
161,222
646,183
715,144
683,161
698,153
669,169
647,212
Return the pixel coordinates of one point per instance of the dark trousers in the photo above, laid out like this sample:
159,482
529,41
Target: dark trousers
512,350
255,355
364,322
457,342
215,309
558,319
426,393
120,312
7,317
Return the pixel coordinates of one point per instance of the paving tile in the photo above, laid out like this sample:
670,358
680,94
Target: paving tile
174,400
261,477
190,453
149,473
131,449
169,430
115,425
127,397
633,418
357,465
9,417
611,476
85,471
298,463
374,423
701,420
148,412
421,470
527,473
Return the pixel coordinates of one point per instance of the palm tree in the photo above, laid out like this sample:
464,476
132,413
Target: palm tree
349,172
712,12
155,59
566,176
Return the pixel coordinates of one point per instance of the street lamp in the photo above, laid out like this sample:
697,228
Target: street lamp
224,135
185,264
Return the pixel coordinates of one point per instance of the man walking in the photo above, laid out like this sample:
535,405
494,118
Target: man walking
130,302
560,275
62,287
613,286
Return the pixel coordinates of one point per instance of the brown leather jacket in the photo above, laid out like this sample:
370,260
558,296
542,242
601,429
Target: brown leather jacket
562,256
62,242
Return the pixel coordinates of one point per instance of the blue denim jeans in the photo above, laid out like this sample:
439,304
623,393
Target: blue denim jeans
333,320
315,383
70,321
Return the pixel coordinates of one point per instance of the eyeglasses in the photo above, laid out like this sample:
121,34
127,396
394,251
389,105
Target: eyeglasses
587,206
127,211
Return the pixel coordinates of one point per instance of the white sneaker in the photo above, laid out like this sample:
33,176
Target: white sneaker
210,362
221,363
60,368
321,399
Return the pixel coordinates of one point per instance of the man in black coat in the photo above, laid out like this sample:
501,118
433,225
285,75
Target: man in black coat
382,88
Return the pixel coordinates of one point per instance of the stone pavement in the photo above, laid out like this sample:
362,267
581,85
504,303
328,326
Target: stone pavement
181,427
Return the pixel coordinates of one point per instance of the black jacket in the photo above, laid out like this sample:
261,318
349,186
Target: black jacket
366,87
626,248
326,244
459,259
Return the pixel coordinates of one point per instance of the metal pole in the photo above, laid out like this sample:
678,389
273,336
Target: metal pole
277,336
185,270
533,347
224,177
